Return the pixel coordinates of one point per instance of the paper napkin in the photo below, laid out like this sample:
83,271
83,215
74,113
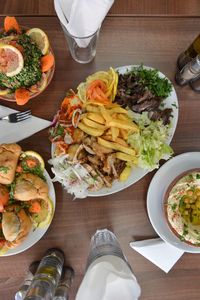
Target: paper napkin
15,132
82,18
160,253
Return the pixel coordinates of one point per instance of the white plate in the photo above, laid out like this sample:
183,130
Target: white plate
155,196
37,234
170,102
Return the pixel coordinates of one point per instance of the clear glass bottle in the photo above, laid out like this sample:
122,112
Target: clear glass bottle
189,72
21,293
62,291
47,276
191,52
195,84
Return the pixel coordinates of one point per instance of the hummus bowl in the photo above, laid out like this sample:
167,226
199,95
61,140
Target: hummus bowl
182,207
161,185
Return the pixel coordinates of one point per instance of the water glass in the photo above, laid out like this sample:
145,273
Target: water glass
82,49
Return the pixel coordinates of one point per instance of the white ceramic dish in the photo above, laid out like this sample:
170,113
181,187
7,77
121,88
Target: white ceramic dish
156,192
37,234
138,173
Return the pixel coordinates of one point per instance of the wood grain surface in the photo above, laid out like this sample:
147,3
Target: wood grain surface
123,41
120,7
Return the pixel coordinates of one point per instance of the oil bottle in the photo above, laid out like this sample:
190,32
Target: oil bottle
191,52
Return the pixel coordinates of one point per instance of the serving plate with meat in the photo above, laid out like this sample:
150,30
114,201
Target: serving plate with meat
109,134
27,199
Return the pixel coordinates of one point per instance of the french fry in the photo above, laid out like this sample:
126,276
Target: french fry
123,117
116,146
96,117
105,114
123,124
126,157
92,108
93,124
117,140
90,130
115,133
125,173
121,142
119,110
124,133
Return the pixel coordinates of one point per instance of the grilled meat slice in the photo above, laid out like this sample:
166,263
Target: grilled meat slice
147,105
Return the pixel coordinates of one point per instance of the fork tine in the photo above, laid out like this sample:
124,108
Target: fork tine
19,119
24,112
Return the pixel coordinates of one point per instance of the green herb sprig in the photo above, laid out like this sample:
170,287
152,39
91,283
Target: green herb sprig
150,78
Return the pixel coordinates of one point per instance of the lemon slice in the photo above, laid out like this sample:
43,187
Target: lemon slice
11,60
41,85
37,156
40,38
4,92
43,82
44,217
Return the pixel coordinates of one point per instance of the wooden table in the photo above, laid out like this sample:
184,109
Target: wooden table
155,41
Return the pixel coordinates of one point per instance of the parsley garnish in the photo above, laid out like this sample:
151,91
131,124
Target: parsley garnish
4,169
174,104
36,170
160,87
174,206
197,176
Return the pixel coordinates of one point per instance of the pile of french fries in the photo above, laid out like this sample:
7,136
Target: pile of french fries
111,126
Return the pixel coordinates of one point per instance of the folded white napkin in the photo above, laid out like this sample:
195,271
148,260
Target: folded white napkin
84,16
160,253
15,132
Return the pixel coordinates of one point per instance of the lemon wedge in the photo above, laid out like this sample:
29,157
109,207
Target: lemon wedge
40,38
45,215
37,156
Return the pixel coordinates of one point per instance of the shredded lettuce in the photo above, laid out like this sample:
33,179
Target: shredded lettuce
150,142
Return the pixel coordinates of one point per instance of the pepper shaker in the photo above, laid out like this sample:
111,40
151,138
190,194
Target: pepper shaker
189,72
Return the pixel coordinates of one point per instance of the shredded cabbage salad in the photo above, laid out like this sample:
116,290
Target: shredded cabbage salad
74,177
150,142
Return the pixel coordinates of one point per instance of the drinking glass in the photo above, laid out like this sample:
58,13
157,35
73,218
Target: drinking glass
82,49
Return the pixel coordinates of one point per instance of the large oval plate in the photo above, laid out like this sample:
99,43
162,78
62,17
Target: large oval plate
35,235
170,102
156,192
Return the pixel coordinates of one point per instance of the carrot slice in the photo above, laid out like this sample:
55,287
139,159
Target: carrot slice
47,62
2,243
11,23
31,163
35,207
96,92
1,207
4,195
19,169
22,96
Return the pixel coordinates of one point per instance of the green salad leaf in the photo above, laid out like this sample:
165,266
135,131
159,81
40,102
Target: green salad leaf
150,142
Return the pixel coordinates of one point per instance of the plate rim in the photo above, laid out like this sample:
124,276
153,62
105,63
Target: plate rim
186,247
44,230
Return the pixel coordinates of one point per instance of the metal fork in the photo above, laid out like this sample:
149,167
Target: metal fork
17,117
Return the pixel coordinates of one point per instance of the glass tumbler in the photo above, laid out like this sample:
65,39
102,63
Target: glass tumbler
82,49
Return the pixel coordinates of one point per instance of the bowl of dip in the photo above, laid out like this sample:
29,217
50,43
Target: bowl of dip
182,207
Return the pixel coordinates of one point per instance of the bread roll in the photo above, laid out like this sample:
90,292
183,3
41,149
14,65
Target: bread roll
30,187
9,155
16,232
